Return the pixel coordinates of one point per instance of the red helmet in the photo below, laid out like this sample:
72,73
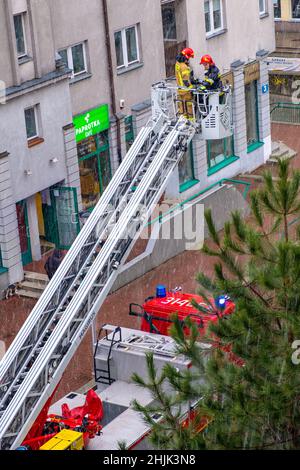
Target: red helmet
188,53
207,59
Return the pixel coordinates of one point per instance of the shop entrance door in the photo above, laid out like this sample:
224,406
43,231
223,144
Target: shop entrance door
65,207
24,232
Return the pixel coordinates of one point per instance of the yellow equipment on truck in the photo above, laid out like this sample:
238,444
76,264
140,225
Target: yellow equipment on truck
65,440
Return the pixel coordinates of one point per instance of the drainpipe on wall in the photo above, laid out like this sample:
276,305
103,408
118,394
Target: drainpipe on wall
111,79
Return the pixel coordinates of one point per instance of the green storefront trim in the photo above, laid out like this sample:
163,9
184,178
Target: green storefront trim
254,146
187,185
227,161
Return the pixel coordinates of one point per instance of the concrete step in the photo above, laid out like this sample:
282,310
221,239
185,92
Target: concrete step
31,295
30,275
283,152
34,286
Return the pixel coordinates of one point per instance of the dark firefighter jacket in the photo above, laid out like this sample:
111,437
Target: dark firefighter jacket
212,79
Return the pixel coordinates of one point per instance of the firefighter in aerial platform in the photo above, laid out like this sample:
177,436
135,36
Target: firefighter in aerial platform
212,80
184,79
211,83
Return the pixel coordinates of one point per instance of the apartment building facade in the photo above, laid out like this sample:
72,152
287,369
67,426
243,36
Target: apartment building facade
239,35
72,70
78,75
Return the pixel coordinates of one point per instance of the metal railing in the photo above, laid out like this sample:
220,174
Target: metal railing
201,193
285,113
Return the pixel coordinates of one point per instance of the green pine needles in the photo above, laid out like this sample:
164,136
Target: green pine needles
257,405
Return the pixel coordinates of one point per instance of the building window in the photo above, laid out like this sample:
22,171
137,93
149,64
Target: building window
20,35
263,7
127,47
219,151
213,10
252,113
295,9
169,21
129,134
186,170
31,123
75,58
94,168
277,8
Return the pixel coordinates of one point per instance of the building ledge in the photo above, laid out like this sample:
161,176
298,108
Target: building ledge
221,165
254,146
79,78
130,68
216,34
36,141
36,83
141,106
24,60
187,185
264,15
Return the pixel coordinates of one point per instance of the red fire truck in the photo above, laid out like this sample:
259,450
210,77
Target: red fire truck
156,313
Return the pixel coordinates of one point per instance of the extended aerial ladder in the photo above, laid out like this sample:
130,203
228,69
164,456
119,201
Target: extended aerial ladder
33,365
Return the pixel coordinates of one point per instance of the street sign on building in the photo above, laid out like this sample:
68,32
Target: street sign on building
265,88
91,123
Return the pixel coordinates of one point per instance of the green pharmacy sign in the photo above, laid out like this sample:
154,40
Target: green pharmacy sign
91,123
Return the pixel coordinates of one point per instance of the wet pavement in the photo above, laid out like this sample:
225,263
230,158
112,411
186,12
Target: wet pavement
179,271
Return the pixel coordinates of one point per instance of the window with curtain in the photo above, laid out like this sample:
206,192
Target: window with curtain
252,113
277,8
127,47
20,35
74,58
295,8
169,20
218,151
186,168
213,11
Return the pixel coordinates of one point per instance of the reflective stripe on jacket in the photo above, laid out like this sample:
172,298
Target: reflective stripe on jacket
212,78
183,75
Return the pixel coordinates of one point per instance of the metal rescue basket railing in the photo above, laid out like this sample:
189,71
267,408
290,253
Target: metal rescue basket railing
211,111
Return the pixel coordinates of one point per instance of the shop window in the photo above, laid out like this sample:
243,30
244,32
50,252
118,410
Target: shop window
75,58
295,9
94,168
186,170
213,11
127,47
19,23
31,120
129,135
277,8
220,152
169,21
252,114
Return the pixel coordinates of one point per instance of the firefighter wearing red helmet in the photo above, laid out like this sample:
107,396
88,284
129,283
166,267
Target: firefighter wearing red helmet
184,79
212,80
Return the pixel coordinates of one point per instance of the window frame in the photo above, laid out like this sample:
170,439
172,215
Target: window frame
185,185
126,64
70,58
227,158
214,30
36,120
294,18
20,56
265,10
278,3
253,145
